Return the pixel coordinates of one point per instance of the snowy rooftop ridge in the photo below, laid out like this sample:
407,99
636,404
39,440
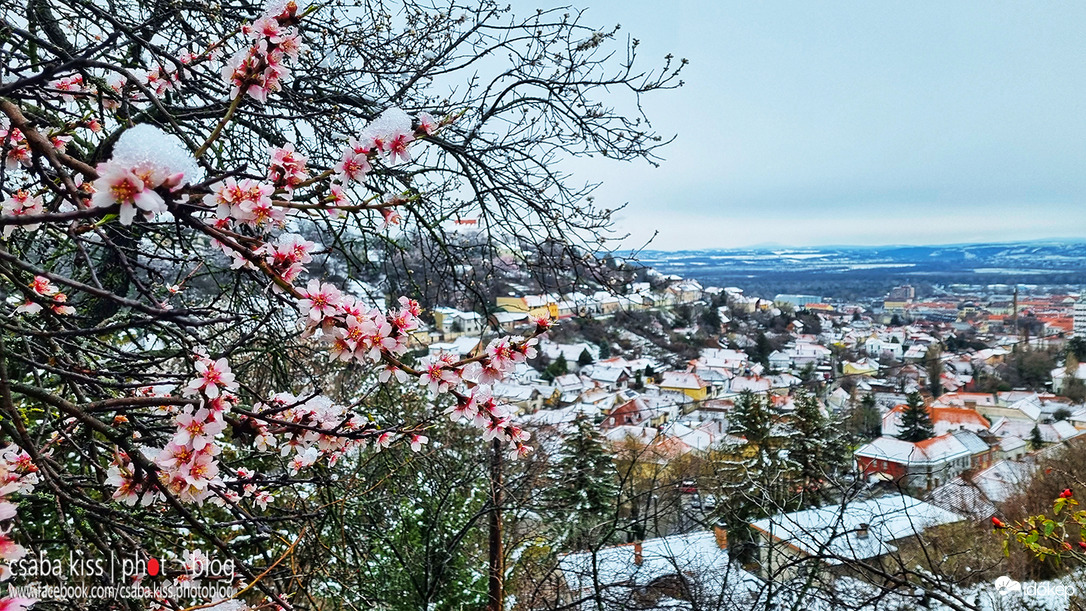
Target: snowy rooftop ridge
838,530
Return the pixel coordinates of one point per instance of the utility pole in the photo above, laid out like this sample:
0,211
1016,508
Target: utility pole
496,582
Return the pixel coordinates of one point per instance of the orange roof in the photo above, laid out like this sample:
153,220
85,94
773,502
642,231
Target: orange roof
1064,323
952,415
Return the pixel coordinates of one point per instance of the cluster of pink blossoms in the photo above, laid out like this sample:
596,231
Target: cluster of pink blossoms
388,137
19,204
188,467
288,255
18,475
480,409
354,331
43,287
145,161
68,86
19,154
248,201
261,68
287,169
309,444
367,335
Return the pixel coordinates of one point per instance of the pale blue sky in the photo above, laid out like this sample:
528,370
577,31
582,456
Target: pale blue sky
857,122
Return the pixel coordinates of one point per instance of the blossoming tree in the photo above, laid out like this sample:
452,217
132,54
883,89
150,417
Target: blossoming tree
190,192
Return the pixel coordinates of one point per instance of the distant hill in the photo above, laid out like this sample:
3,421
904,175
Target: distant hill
869,271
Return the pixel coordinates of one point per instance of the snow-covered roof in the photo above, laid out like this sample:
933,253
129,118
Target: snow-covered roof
837,530
934,450
696,556
682,379
978,495
607,375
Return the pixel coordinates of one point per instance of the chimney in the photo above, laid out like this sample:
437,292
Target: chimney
637,553
721,536
861,532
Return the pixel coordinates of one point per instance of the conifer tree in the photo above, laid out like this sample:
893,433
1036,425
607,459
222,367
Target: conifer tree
585,488
585,358
817,450
751,473
1036,442
916,423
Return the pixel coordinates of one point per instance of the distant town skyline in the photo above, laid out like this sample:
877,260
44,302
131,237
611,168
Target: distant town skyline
854,123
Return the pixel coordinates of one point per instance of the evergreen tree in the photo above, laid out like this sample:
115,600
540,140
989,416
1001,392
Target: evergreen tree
916,422
864,421
605,349
1036,442
1077,346
934,365
585,486
751,475
558,368
816,450
585,358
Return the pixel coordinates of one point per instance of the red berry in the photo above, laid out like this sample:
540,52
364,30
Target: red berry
1066,494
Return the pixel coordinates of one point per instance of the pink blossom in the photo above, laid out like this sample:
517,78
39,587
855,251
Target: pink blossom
397,147
43,286
287,168
17,603
197,429
427,123
19,204
174,455
212,375
384,440
262,498
437,375
417,441
28,307
302,460
117,184
321,300
200,471
353,166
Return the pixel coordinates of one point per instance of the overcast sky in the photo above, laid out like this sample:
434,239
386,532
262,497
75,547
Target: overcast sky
806,123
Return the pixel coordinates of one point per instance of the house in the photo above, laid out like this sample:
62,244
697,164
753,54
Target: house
691,570
944,420
865,367
779,361
839,534
1051,432
570,386
685,382
923,465
451,322
463,347
634,412
612,378
1061,376
571,352
526,397
534,306
979,494
510,321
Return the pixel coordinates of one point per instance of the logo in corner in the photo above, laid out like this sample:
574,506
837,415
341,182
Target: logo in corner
1004,585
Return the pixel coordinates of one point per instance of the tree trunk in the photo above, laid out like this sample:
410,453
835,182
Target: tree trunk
497,563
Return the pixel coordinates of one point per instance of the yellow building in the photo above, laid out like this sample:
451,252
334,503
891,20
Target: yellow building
533,305
690,384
